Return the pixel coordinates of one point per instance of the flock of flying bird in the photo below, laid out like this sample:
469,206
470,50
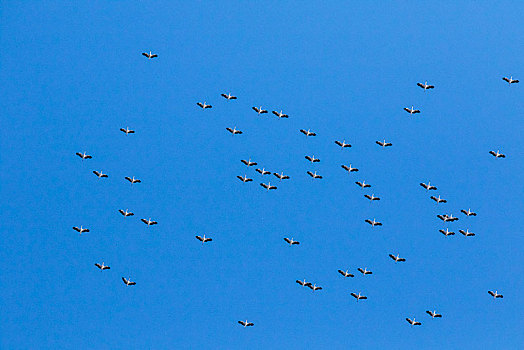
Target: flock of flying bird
268,186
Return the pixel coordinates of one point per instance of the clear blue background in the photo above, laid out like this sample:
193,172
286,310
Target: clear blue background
72,74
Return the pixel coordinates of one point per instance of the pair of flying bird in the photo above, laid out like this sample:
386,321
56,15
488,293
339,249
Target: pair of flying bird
261,110
363,271
313,287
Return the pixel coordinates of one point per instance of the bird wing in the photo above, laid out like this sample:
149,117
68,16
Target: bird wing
491,293
505,79
363,297
229,129
200,104
302,131
354,295
295,242
242,323
250,324
208,239
338,143
224,95
392,257
144,221
287,240
300,282
98,265
145,54
123,279
275,113
421,85
255,109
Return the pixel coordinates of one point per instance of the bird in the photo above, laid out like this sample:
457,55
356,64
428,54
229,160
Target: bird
280,114
348,168
411,110
364,271
314,175
80,229
372,197
468,212
281,176
149,55
497,154
373,223
358,296
132,180
125,213
259,110
203,239
234,131
413,322
467,233
128,282
246,324
248,162
438,199
263,171
446,217
148,222
291,241
362,184
425,86
102,267
396,258
342,144
204,105
428,186
244,179
127,131
307,133
433,313
99,174
303,283
312,159
447,232
384,143
495,294
314,287
83,155
268,186
228,96
346,273
510,80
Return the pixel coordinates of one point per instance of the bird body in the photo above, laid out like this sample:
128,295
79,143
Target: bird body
372,197
447,232
468,212
281,176
314,287
263,171
467,233
413,322
246,324
364,271
433,314
312,159
303,283
248,162
447,218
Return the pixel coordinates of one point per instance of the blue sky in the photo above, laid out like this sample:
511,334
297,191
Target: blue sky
72,75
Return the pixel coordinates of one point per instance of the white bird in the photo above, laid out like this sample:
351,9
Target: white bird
359,296
80,229
384,143
204,105
280,114
229,96
246,324
438,199
259,110
314,175
314,287
268,186
428,186
446,217
497,154
307,132
248,162
234,131
244,179
291,241
362,184
348,168
433,313
411,110
203,239
396,258
373,223
102,267
312,159
100,174
128,282
447,232
83,155
425,86
495,294
281,176
127,131
467,233
263,171
149,55
125,213
364,271
413,322
346,273
510,80
132,180
304,283
372,197
468,212
148,222
342,144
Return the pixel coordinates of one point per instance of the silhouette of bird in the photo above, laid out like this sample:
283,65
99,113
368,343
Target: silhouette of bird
149,55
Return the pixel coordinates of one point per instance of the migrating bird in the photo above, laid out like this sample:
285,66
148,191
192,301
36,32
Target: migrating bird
127,131
495,294
80,229
314,287
102,267
304,283
244,179
346,273
259,110
125,213
411,110
280,114
149,55
425,86
364,271
99,174
268,186
312,159
438,199
307,133
349,169
132,180
372,197
497,154
228,96
468,212
83,155
384,143
447,218
413,322
148,222
314,175
362,184
428,186
234,131
291,241
281,176
248,162
263,171
396,258
203,239
510,80
128,282
467,233
358,296
246,324
203,105
447,232
433,313
343,144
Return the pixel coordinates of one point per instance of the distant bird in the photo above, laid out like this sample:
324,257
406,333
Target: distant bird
428,186
495,294
234,131
80,229
246,324
314,175
468,212
362,184
280,114
127,131
384,143
203,239
228,96
148,222
413,322
204,105
447,218
281,176
348,168
497,154
248,162
149,55
396,258
244,179
314,287
438,199
102,267
268,186
412,110
467,233
307,133
343,144
447,232
133,180
373,223
312,159
83,155
259,110
291,241
425,86
510,80
128,282
346,273
125,213
99,174
433,314
358,296
364,271
304,283
372,197
263,171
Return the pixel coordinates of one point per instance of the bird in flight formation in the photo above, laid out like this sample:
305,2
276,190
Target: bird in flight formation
342,144
125,213
447,232
80,229
384,143
413,322
307,132
467,233
148,222
246,324
127,131
203,105
425,86
348,168
314,175
364,271
433,314
510,80
372,197
468,212
495,294
259,110
438,199
149,55
234,131
362,184
203,239
132,180
280,114
100,174
497,154
396,258
83,155
411,110
447,218
263,171
428,186
102,267
346,273
244,179
128,282
228,96
291,241
268,186
358,296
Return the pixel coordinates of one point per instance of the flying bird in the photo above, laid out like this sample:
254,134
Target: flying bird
467,233
291,241
433,313
307,133
373,223
280,114
510,80
203,239
372,197
358,296
149,55
234,131
132,180
396,258
364,271
99,174
263,171
428,186
346,273
80,229
362,184
228,96
125,213
413,322
148,222
304,283
411,110
495,294
102,267
259,110
244,179
468,212
342,144
281,176
248,162
246,324
497,154
447,218
128,282
438,199
312,159
348,168
425,86
127,131
384,143
314,287
447,232
314,175
268,186
83,155
203,105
